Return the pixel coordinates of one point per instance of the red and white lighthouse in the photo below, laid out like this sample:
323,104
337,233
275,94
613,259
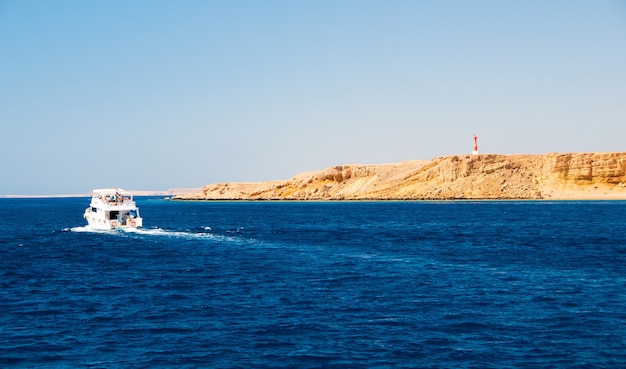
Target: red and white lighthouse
475,152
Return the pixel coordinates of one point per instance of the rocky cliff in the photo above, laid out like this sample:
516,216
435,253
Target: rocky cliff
485,176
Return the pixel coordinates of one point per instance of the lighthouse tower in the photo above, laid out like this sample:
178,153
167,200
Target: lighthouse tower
475,152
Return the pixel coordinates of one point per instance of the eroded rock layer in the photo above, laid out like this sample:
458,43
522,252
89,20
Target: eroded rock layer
485,176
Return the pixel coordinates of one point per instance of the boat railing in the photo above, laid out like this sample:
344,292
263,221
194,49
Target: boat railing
115,200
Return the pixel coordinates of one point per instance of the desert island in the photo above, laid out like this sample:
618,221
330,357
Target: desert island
557,176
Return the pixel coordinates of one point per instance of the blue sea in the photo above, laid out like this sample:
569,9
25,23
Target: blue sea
486,284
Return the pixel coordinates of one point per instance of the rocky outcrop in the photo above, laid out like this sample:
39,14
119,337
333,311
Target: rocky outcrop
485,176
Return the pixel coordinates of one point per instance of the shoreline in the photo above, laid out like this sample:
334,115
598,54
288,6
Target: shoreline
553,197
135,193
42,196
566,198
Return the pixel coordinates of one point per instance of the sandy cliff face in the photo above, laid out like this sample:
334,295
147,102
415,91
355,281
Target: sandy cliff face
485,176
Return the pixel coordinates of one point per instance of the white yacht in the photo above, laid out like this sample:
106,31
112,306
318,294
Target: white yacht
112,208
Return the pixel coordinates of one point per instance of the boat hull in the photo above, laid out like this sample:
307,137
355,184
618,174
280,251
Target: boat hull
106,224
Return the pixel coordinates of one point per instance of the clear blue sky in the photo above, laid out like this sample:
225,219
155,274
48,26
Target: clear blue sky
161,94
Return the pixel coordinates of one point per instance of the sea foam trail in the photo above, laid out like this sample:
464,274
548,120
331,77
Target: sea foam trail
160,232
87,229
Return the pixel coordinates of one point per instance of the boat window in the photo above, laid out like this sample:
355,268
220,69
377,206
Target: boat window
113,215
95,210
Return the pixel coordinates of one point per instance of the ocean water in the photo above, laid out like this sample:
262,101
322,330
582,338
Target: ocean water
530,284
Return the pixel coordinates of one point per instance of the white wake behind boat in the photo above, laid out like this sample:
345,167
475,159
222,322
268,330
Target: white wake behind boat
112,208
